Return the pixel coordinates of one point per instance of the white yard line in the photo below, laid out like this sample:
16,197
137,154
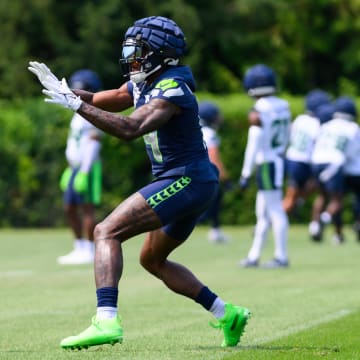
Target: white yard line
15,273
297,328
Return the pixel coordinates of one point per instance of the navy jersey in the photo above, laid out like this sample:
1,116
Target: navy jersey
177,148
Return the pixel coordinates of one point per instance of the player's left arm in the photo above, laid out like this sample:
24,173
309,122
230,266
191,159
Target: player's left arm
114,100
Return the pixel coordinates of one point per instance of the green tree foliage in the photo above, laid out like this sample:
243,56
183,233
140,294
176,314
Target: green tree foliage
309,43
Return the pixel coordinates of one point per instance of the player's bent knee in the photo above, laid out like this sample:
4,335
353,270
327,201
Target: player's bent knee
150,263
101,231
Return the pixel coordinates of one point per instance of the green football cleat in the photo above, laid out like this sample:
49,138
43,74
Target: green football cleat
98,333
232,324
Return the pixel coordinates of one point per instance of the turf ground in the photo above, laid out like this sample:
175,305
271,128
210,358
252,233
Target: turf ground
309,311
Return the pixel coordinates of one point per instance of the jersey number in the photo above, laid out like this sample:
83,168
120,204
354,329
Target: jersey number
279,129
151,139
300,141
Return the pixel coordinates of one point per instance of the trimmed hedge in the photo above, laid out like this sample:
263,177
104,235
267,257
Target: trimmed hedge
32,151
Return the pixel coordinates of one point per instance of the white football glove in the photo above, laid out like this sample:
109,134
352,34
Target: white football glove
61,95
44,75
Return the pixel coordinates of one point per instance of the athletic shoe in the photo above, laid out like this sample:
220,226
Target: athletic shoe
217,236
316,230
98,333
275,263
247,263
77,257
232,324
338,239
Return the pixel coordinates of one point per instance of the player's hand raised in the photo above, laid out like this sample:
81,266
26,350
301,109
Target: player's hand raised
61,95
44,75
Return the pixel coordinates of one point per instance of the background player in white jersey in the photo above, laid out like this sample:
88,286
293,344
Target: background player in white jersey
210,119
304,130
268,137
81,180
352,180
335,143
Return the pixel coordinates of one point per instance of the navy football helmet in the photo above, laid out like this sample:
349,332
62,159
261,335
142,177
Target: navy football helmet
85,80
325,112
260,80
209,114
151,44
315,98
345,108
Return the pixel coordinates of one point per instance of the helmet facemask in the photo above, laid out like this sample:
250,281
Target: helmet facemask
139,61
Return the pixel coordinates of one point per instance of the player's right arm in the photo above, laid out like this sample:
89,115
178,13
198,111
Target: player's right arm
254,118
252,146
215,158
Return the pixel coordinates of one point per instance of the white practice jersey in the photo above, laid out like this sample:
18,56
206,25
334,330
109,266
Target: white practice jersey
303,133
80,134
210,136
352,163
335,142
275,119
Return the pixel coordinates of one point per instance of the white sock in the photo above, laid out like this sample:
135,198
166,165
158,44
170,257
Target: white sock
218,308
325,217
106,312
78,244
260,237
280,227
88,245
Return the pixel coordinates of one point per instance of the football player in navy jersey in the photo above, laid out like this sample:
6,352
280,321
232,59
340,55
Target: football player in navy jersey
166,116
211,119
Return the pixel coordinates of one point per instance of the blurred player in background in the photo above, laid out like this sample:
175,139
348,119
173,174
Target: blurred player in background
336,142
185,184
304,130
268,136
81,180
211,119
352,181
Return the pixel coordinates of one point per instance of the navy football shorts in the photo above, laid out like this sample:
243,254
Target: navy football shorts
298,173
270,175
336,184
179,201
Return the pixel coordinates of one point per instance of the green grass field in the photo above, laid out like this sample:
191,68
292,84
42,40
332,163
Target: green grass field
309,311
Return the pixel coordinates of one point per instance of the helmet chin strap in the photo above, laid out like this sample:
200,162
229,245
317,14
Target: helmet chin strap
139,76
